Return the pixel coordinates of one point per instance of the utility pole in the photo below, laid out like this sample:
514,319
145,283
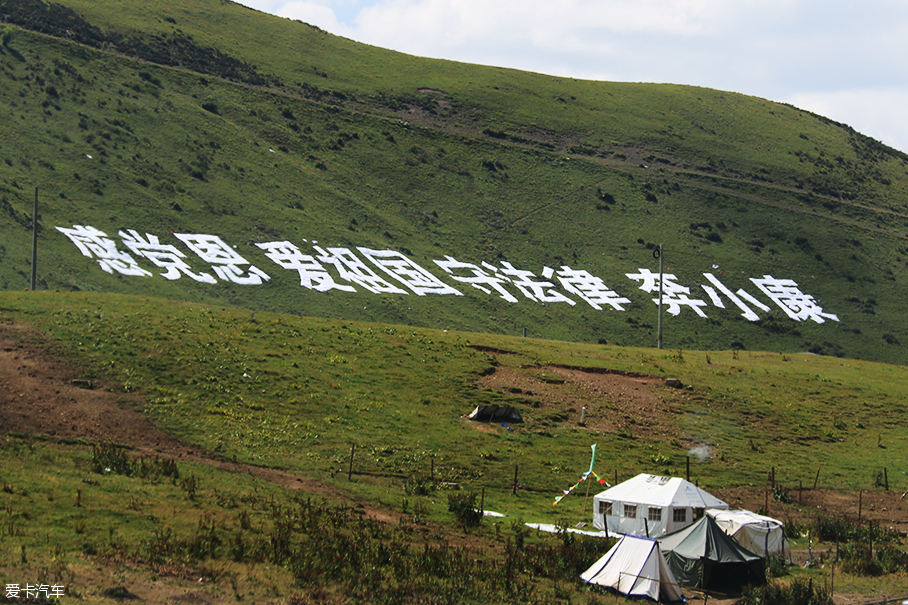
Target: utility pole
35,242
658,254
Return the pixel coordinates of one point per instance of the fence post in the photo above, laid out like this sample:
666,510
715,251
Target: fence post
515,480
35,243
350,472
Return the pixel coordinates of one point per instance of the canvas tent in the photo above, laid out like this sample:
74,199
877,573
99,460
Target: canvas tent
635,567
761,535
704,556
496,413
652,506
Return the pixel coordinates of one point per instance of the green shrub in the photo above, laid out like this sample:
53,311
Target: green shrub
842,529
798,592
109,457
463,505
420,486
856,558
776,565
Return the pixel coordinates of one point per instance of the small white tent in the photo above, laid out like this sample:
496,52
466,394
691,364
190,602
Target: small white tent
761,535
652,506
635,567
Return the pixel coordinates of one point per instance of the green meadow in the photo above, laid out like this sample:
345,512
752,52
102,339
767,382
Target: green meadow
304,394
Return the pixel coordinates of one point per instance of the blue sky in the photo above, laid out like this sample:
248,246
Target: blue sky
844,60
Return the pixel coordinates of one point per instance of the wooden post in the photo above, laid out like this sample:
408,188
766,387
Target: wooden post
832,581
616,476
800,488
432,469
885,479
860,503
482,502
515,480
772,476
350,472
817,478
35,242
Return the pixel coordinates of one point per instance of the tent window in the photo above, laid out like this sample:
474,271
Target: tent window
698,513
605,509
630,511
655,513
680,515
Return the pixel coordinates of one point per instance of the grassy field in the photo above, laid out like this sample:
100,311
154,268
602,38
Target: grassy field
303,394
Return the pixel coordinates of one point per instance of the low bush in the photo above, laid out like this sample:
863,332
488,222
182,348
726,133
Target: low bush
463,505
797,592
109,457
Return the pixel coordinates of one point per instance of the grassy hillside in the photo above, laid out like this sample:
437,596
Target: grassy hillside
296,392
318,399
207,117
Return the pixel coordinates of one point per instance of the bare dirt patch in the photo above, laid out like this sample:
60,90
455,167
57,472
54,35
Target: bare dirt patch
614,402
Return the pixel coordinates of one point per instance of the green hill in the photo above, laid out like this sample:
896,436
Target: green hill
208,118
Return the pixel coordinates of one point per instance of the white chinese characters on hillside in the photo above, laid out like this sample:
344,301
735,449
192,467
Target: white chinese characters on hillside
391,272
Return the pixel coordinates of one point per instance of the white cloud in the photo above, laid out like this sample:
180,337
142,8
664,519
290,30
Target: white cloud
839,58
873,112
313,13
424,25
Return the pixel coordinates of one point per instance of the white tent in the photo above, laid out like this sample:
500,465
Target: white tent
635,567
761,535
652,506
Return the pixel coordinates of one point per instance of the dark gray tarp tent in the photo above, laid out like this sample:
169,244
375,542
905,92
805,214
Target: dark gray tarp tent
703,556
500,413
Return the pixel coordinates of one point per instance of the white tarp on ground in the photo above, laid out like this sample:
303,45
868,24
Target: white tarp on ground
554,529
650,505
635,567
761,535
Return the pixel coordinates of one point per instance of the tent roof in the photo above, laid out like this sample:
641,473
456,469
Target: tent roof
736,518
635,566
661,491
706,540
